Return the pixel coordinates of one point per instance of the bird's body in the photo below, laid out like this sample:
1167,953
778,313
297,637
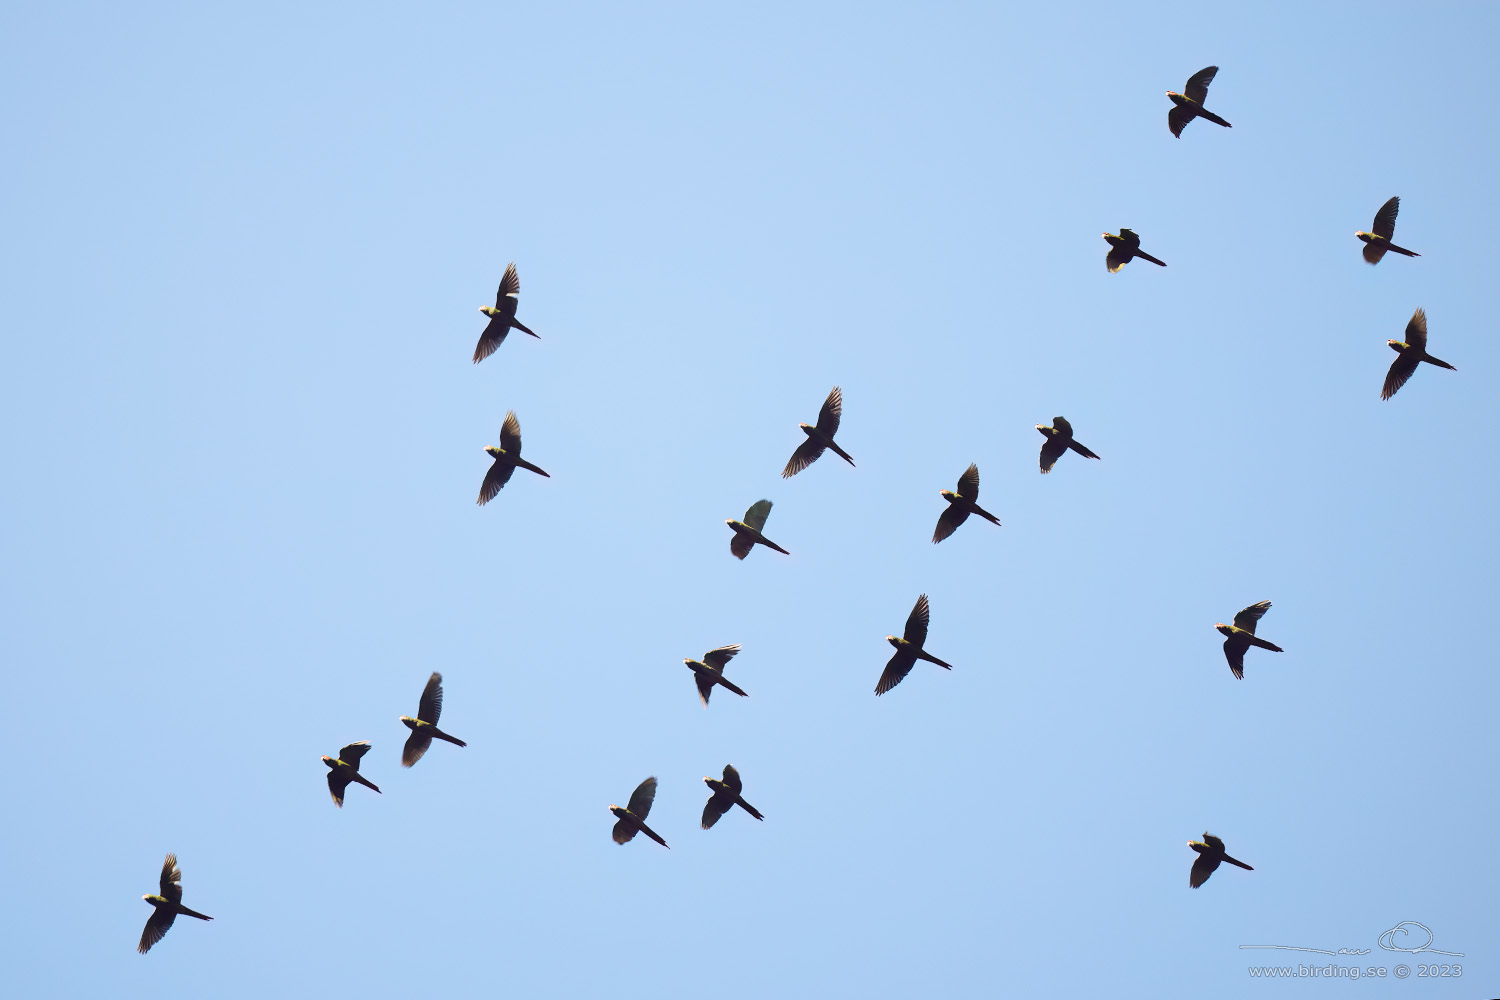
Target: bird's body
1189,104
344,769
424,727
632,818
747,533
165,907
502,316
1059,439
1379,241
819,437
1240,636
506,460
908,648
1123,249
1412,352
726,795
1210,855
960,505
709,671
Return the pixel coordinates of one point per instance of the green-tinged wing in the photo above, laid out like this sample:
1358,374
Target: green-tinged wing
705,687
833,409
756,516
170,876
1373,252
948,522
732,779
1214,842
1234,653
642,797
1117,258
1129,236
714,809
431,705
806,454
1385,219
1197,85
1416,330
916,622
156,928
1247,618
624,832
416,745
968,483
510,284
1177,120
741,544
1203,867
716,658
353,752
510,435
1400,371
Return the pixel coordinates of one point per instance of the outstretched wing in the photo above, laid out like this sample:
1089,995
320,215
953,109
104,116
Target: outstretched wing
1247,618
336,785
491,339
948,522
1373,252
833,408
895,671
968,483
1400,371
806,454
1197,85
741,544
431,705
510,434
1177,120
498,475
156,927
1052,450
916,622
1203,867
713,810
1234,653
1385,219
1416,331
416,745
353,752
624,832
716,658
170,876
732,779
756,516
642,797
510,284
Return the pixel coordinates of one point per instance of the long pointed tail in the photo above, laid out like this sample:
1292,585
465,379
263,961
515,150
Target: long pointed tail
922,653
1263,644
1240,863
653,835
451,739
1213,118
841,453
192,913
538,336
365,781
767,542
1082,450
986,514
1441,364
748,808
1393,248
732,687
1146,256
527,465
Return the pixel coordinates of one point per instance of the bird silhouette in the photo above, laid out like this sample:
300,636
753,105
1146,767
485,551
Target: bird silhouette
167,906
502,316
507,458
1210,854
424,727
1410,353
908,649
1189,104
819,437
961,505
1241,636
1378,242
632,818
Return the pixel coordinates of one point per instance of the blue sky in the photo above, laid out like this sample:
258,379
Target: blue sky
244,437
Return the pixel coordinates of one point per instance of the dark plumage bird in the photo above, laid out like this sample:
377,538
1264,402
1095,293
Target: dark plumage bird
908,649
1241,636
167,905
424,727
961,505
709,671
1210,853
1410,354
1059,439
726,795
345,768
507,458
1189,105
819,437
747,532
1378,242
1123,249
632,818
502,316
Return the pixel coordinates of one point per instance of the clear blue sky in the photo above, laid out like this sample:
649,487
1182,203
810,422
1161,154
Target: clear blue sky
244,250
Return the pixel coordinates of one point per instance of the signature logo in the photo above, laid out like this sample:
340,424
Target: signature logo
1386,941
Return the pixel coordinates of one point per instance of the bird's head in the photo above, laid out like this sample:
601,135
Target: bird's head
948,495
330,761
1221,627
409,722
894,641
494,451
733,523
618,812
1364,237
710,782
1395,345
149,898
806,429
488,310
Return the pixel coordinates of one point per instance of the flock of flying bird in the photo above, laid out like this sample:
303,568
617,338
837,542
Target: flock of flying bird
708,672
